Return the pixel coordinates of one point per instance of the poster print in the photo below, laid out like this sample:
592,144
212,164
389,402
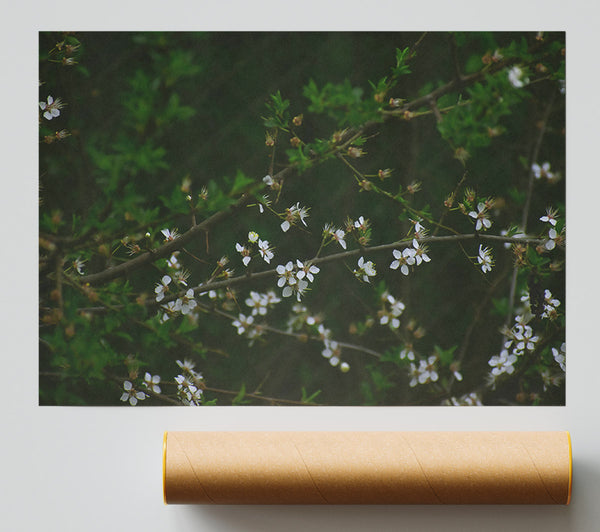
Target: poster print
302,218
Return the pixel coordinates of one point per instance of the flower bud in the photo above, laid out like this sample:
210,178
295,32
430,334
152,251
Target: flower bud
379,97
384,174
186,184
297,120
355,152
365,184
413,187
338,136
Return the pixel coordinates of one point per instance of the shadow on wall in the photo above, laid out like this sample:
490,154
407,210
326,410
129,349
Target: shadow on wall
382,518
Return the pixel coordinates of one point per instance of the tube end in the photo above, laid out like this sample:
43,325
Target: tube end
164,467
570,467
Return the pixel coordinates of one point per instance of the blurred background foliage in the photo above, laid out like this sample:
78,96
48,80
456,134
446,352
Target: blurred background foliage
148,112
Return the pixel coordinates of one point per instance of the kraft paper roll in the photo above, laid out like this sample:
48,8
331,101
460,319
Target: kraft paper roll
367,467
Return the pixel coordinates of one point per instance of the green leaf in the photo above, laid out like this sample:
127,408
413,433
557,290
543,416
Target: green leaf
446,356
240,183
239,398
308,399
401,68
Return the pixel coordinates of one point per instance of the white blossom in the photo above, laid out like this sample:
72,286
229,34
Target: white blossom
151,382
131,394
78,264
173,262
188,392
502,363
162,288
365,270
286,274
169,234
420,254
485,259
244,252
551,242
550,216
481,216
265,251
407,353
51,107
560,356
335,234
361,224
517,78
188,303
170,309
258,303
404,259
307,270
243,323
427,370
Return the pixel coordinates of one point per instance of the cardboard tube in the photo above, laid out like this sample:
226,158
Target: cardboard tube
367,467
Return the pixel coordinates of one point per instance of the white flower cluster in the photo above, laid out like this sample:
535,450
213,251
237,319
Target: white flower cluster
260,303
187,384
425,372
554,237
263,246
551,305
301,317
391,311
295,277
519,340
470,399
184,304
409,257
502,363
517,77
414,256
332,350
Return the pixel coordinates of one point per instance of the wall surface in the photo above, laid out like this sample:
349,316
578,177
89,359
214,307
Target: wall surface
97,469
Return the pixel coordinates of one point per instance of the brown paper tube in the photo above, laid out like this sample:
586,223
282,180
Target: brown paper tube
367,467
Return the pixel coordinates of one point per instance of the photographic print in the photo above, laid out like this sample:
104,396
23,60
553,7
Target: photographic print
302,218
